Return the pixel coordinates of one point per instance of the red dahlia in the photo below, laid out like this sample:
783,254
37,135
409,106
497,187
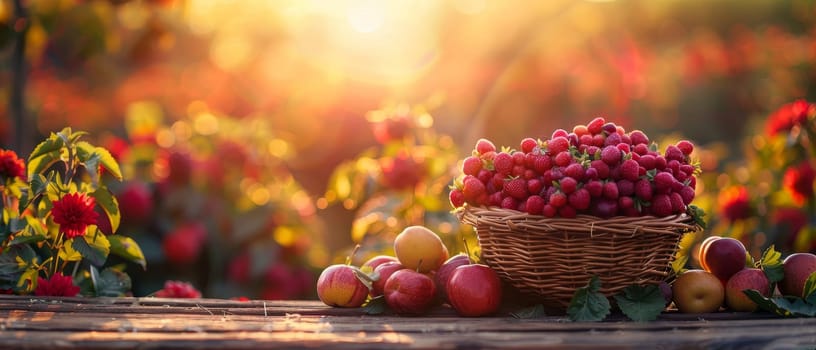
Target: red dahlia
11,166
788,116
74,212
58,286
799,180
734,203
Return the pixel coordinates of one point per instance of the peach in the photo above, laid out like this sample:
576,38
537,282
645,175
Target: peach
418,248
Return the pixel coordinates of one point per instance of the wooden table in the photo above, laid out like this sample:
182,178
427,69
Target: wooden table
111,323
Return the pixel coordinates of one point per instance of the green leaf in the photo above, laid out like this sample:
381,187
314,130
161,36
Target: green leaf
782,306
771,264
641,303
109,204
588,304
39,164
698,214
53,144
127,248
38,185
108,162
375,306
95,248
535,311
68,253
28,280
111,283
809,291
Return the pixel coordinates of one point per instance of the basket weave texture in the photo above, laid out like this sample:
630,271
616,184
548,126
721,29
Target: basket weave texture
549,258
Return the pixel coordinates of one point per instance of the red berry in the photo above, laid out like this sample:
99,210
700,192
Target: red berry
579,199
660,163
601,167
471,165
559,133
596,125
612,140
688,194
686,147
661,205
542,163
495,199
557,145
611,190
647,161
598,140
605,208
457,198
611,155
674,153
549,211
576,171
558,199
595,188
485,176
563,159
625,203
472,188
626,187
484,145
610,128
580,130
623,147
503,163
528,145
638,138
643,189
509,203
517,188
534,186
534,205
677,203
567,212
568,185
641,149
663,181
630,170
519,158
585,140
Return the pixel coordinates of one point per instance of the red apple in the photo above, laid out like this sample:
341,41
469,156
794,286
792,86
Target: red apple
474,290
409,292
446,271
385,271
797,267
341,285
724,257
377,261
698,291
750,278
702,251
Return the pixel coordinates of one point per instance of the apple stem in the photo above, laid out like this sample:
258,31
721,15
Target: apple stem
418,265
467,251
353,252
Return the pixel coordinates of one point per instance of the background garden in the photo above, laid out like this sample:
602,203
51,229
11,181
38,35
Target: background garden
259,141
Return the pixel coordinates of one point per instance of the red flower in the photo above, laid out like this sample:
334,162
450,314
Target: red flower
58,286
401,172
788,222
788,116
11,166
178,289
799,180
74,212
734,203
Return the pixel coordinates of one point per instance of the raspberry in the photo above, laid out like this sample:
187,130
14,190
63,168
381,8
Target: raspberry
688,195
641,149
563,159
529,174
471,165
518,170
568,185
630,170
625,139
639,138
542,163
503,163
497,182
484,145
601,167
611,190
580,130
660,163
663,181
598,140
528,145
611,155
677,203
610,128
626,187
573,140
596,125
579,199
457,198
522,206
674,165
585,139
605,208
567,212
484,176
534,205
472,188
517,188
549,211
509,203
595,188
534,186
559,133
557,145
612,140
686,147
625,148
518,158
495,199
625,203
558,199
575,171
687,169
643,189
674,153
661,205
591,173
647,161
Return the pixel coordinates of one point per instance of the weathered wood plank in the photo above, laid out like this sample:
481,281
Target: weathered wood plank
113,323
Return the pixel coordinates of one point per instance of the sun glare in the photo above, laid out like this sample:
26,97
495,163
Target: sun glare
366,17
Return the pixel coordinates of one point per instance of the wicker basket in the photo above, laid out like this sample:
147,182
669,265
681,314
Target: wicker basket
549,258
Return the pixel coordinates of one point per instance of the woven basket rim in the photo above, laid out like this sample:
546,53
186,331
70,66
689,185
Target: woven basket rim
581,223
